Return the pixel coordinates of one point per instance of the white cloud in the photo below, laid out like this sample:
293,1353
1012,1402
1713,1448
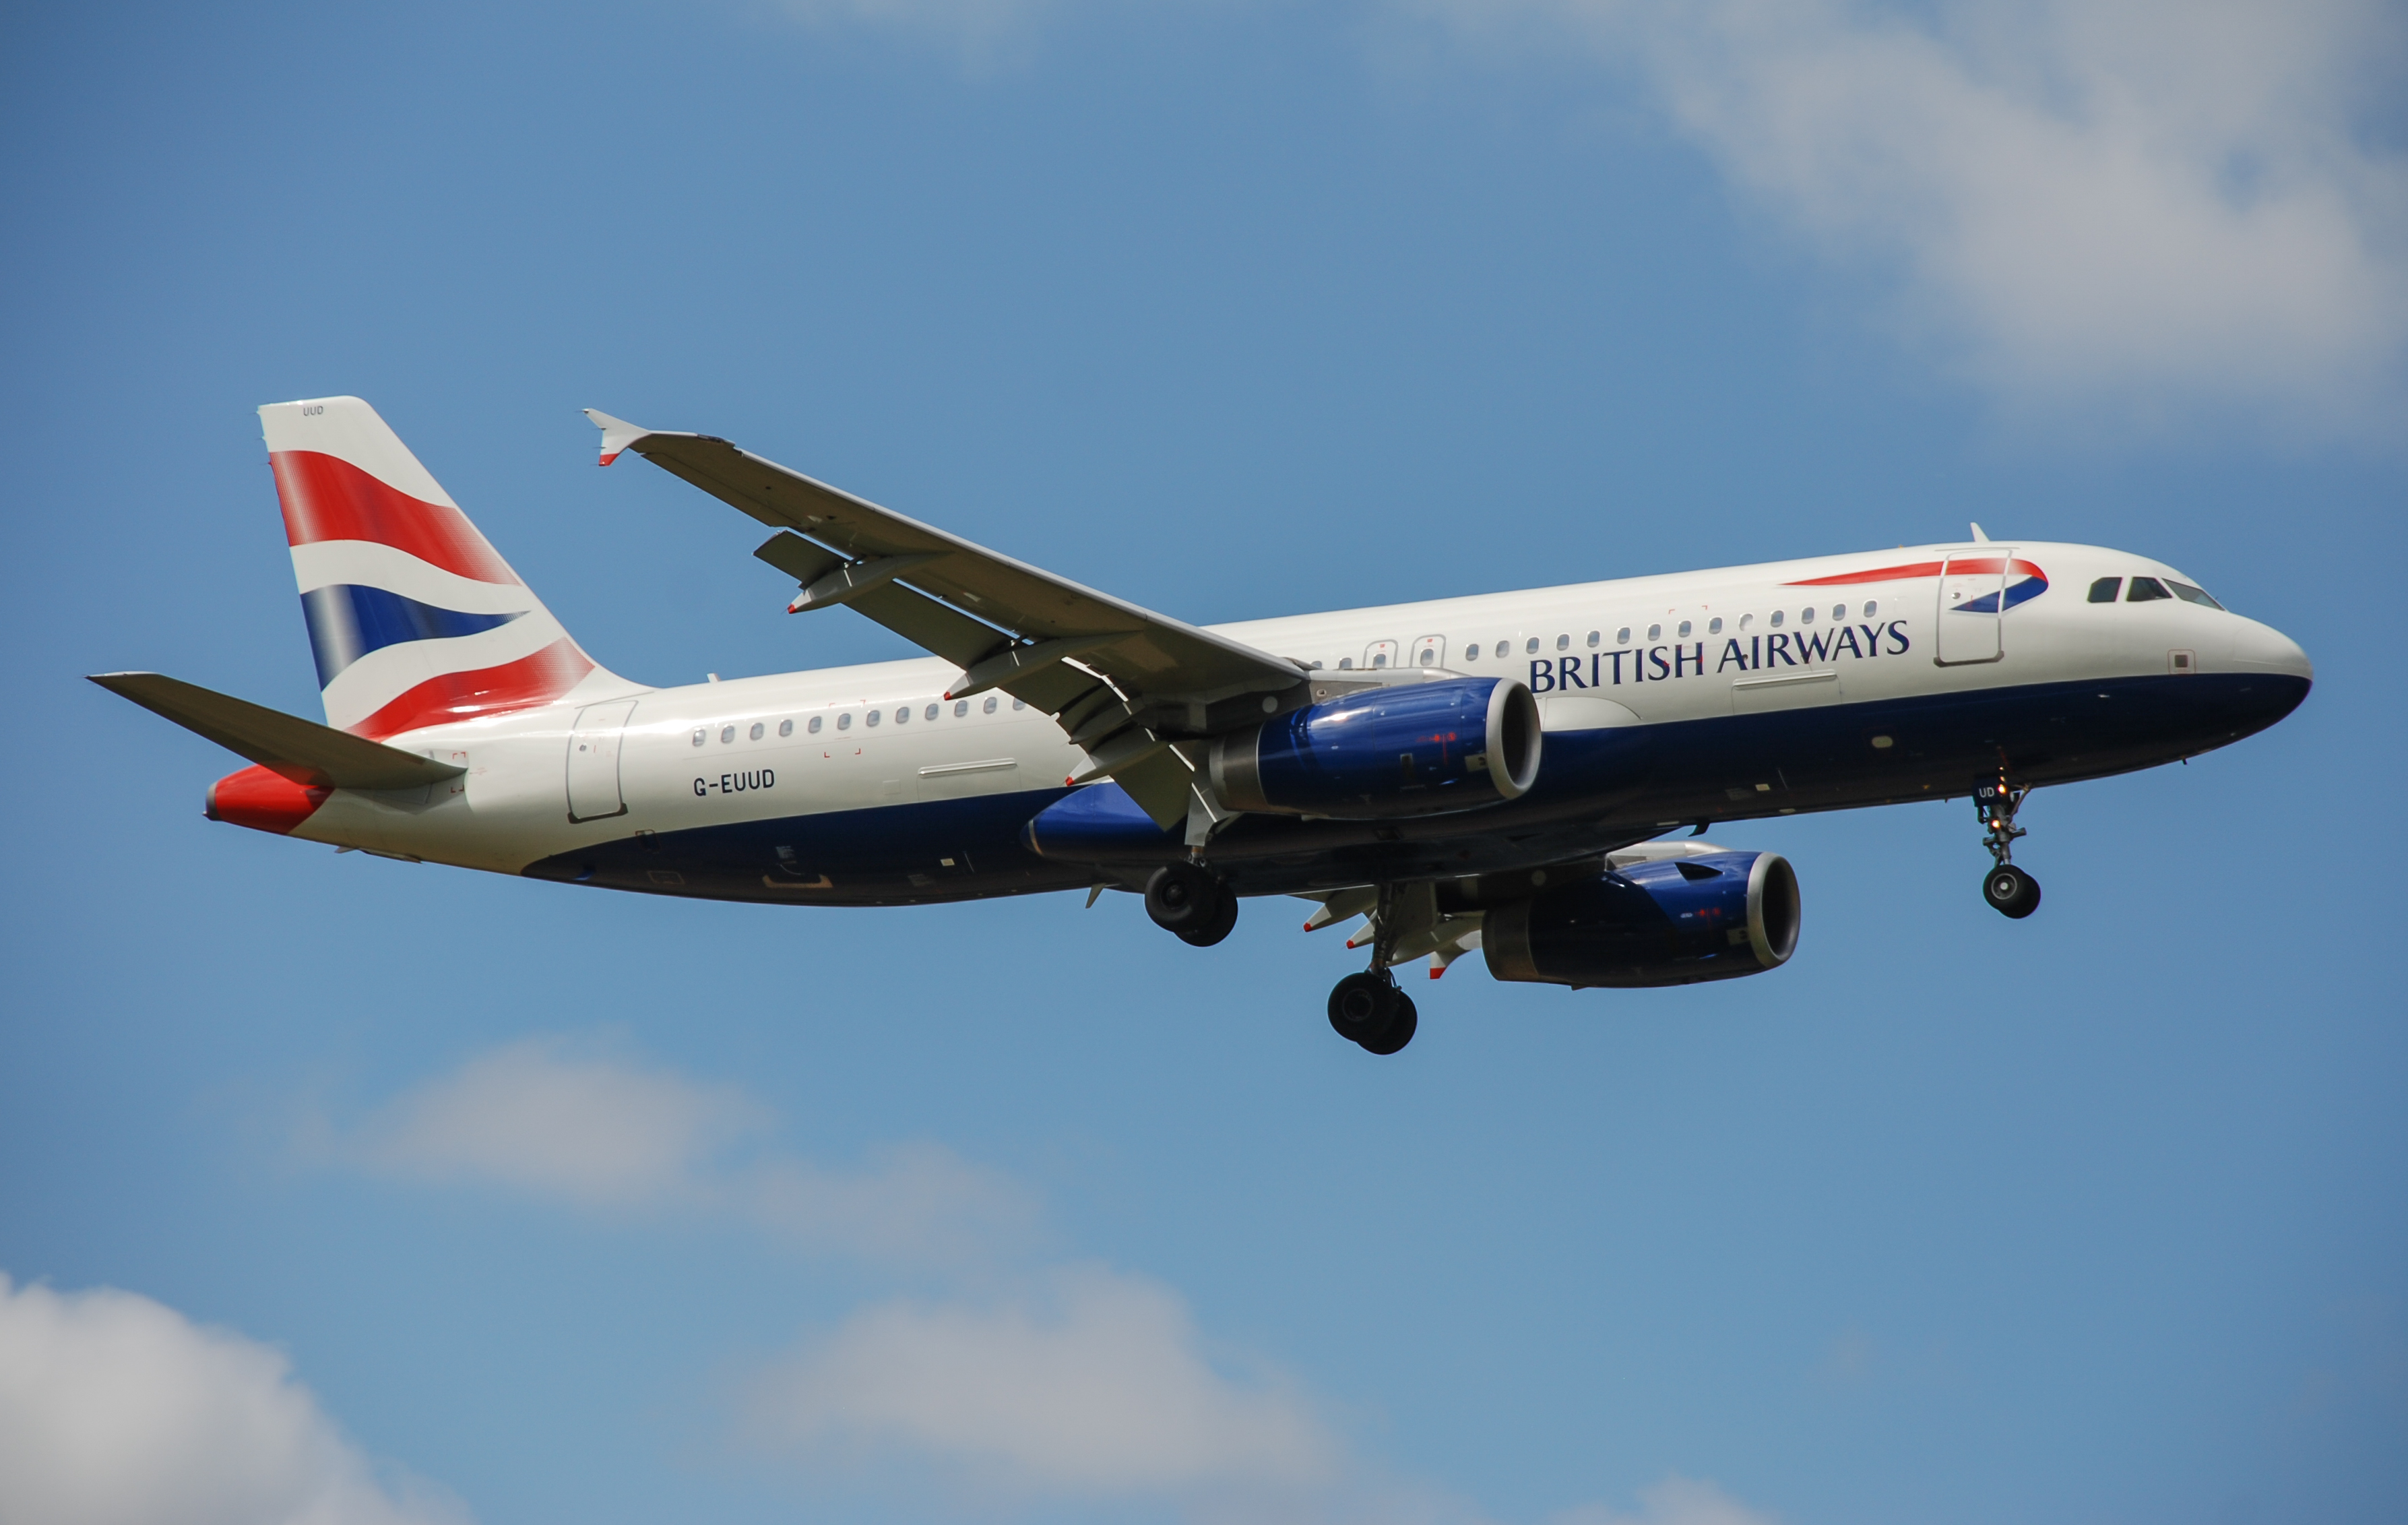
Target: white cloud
553,1119
1675,1500
2159,206
1083,1383
1098,1384
115,1409
2141,211
544,1118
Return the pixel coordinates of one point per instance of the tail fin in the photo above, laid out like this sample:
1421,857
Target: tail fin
413,618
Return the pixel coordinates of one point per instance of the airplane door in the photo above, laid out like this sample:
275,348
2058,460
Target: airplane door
1429,651
594,760
1971,622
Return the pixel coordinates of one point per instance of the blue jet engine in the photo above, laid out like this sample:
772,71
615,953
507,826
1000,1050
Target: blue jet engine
1405,749
1673,920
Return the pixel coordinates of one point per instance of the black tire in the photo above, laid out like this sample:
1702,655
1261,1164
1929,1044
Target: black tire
1397,1030
1181,898
1360,1005
2010,892
1217,928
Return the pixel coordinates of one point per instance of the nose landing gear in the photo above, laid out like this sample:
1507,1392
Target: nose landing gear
1368,1009
2010,891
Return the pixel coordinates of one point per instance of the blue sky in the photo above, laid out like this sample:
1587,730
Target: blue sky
402,1194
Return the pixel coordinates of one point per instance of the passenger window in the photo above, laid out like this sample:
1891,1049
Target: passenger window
1563,643
902,715
1715,626
697,736
815,727
844,721
1775,621
1838,611
1471,652
1531,646
1746,620
785,728
1655,632
961,708
2190,595
873,717
990,704
759,731
1870,608
1622,637
1378,659
1595,636
2104,590
726,734
1806,615
1020,704
2146,590
1346,664
1684,630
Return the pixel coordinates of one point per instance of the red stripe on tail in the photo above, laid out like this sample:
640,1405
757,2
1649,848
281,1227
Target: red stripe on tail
328,498
529,680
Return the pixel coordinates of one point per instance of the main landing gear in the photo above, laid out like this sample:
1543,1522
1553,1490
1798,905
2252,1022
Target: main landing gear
1187,901
2010,892
1368,1009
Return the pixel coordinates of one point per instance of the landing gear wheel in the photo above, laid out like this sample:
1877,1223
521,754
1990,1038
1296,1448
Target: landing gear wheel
1181,898
2010,892
1215,930
1402,1022
1369,1010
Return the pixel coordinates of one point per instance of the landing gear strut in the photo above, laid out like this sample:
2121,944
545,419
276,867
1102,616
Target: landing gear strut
1368,1009
1185,900
2010,891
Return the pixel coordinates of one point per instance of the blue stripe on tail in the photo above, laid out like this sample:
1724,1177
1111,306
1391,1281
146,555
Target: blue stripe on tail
350,620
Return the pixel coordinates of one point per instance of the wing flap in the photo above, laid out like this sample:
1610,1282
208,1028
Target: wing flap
301,750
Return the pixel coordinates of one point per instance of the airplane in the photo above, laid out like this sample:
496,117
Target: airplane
1493,773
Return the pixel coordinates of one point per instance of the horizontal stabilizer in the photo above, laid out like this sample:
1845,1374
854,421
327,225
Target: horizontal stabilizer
301,750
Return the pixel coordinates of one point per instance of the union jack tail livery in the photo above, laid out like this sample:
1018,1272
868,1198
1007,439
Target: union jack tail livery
414,619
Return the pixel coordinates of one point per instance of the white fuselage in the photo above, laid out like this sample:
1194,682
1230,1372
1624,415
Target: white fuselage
1640,652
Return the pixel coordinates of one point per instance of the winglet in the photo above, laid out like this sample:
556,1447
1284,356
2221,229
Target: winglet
1979,537
617,433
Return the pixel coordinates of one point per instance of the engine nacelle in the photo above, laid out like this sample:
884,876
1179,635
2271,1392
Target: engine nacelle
1672,921
1407,749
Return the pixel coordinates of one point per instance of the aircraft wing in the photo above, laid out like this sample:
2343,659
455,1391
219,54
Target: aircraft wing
1127,683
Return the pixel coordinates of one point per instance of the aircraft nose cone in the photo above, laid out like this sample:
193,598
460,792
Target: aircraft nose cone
2269,650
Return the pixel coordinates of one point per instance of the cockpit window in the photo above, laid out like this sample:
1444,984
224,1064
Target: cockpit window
2145,589
2190,595
2104,591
